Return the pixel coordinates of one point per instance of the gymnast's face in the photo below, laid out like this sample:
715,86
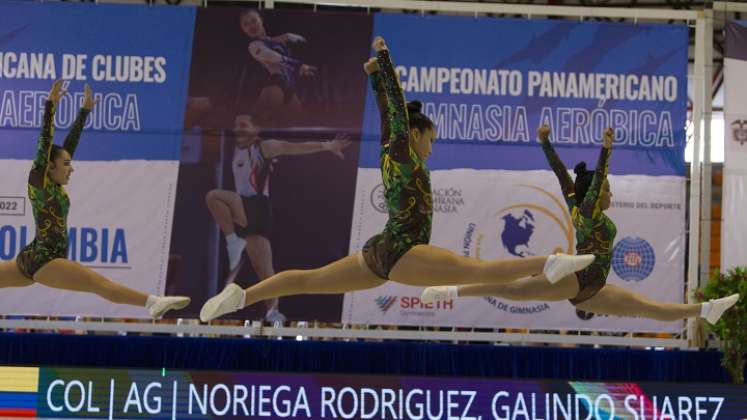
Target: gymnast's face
422,142
61,168
605,198
252,25
245,130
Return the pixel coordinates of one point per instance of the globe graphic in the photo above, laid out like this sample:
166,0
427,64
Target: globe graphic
633,259
517,231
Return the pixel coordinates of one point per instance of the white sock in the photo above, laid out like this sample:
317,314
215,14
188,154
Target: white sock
152,299
549,262
453,292
705,308
242,302
232,238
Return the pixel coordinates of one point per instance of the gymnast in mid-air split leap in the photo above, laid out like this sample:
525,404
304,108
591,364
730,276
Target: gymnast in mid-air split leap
44,260
400,253
587,198
245,216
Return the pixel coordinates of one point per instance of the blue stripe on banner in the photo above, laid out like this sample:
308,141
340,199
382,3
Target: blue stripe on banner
455,155
140,74
483,92
106,147
17,400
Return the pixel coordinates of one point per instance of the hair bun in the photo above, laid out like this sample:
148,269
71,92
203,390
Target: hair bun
414,106
580,168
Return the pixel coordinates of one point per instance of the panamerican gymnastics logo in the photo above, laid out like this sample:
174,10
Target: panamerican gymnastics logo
633,259
385,302
514,228
518,227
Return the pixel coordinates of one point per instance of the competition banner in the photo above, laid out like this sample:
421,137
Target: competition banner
136,59
494,194
734,230
133,394
268,89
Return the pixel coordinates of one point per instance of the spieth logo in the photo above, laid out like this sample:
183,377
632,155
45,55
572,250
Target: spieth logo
739,131
633,259
412,305
445,200
385,302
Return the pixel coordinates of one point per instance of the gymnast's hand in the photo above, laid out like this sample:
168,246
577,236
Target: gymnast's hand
293,38
88,101
371,66
57,91
609,137
336,146
379,44
543,133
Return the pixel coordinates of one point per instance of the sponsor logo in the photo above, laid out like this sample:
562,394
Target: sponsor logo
739,131
514,228
519,219
385,302
633,259
414,302
412,305
449,200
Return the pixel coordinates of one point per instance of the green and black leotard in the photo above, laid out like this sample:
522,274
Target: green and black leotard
407,185
49,201
595,232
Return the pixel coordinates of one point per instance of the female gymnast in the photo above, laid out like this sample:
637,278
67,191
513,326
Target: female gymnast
44,260
587,198
401,252
271,76
245,216
278,93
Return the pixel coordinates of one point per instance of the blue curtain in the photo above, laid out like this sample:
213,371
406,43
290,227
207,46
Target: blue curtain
391,358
